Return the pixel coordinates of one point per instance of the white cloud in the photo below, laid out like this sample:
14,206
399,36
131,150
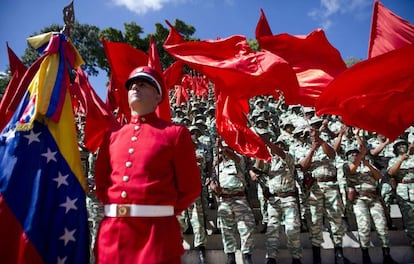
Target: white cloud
142,6
330,8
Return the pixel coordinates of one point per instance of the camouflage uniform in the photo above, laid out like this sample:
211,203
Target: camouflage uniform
298,149
93,205
264,178
405,191
195,214
367,204
386,184
283,207
325,196
234,210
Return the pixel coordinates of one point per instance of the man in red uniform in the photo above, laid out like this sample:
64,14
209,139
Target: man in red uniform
146,174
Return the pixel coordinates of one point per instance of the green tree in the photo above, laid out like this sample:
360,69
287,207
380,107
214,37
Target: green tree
352,61
132,36
4,80
83,36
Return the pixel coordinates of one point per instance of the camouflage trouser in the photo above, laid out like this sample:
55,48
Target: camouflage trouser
365,208
95,215
263,204
325,199
195,214
405,198
388,195
233,213
283,210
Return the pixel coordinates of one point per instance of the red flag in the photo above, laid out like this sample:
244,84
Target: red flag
163,109
315,61
122,59
200,85
239,74
99,118
173,75
232,126
231,63
14,93
373,95
388,31
180,95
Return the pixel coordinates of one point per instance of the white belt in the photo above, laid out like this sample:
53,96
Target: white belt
138,210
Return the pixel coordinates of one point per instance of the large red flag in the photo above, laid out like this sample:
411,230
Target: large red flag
315,61
231,64
14,93
231,121
388,31
173,75
238,74
163,109
375,95
98,117
122,59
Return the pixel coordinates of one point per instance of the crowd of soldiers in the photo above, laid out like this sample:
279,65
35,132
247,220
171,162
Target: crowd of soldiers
321,173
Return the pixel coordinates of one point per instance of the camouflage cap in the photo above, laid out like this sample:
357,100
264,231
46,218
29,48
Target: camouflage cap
261,119
351,148
399,141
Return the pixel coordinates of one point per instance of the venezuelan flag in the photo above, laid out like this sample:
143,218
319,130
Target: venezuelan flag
43,216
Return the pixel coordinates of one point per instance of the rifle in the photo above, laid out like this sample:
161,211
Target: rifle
262,182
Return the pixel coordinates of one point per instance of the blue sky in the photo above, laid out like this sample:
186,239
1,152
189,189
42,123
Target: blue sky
345,22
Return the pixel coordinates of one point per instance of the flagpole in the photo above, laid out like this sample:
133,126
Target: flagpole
68,19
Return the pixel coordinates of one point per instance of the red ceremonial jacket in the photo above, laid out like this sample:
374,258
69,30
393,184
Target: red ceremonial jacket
148,162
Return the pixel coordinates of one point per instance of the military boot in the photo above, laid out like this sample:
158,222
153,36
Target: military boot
316,254
231,258
247,258
387,259
339,256
366,259
270,261
296,261
202,254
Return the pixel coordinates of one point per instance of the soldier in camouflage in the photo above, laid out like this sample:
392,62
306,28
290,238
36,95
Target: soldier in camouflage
324,195
94,207
380,152
362,178
234,212
401,168
283,206
195,214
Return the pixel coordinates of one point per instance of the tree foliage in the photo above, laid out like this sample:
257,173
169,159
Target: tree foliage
352,61
87,39
132,35
4,80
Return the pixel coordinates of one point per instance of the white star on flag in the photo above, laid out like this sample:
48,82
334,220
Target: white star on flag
68,236
69,204
9,135
61,180
32,137
49,155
